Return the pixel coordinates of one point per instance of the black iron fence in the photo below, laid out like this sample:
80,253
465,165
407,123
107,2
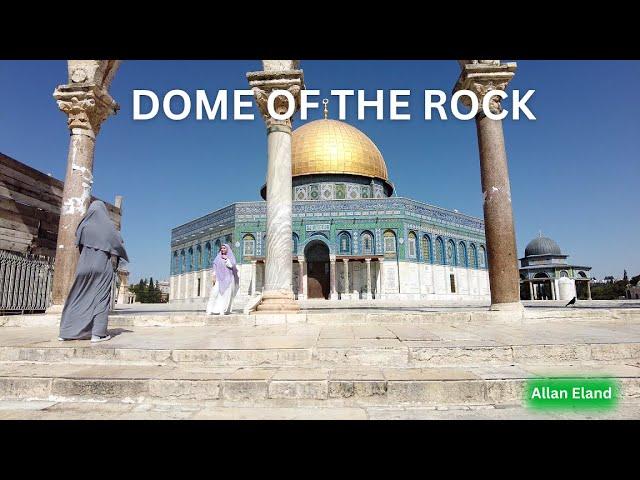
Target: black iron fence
25,282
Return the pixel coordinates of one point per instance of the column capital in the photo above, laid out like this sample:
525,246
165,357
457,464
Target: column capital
367,260
301,258
264,82
86,105
482,76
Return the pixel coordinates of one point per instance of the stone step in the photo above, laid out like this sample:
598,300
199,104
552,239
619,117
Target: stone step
309,352
53,410
409,316
291,387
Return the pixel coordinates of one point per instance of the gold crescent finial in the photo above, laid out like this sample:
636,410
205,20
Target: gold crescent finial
325,102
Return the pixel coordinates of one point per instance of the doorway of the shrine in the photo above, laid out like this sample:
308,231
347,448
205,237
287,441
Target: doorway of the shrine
317,256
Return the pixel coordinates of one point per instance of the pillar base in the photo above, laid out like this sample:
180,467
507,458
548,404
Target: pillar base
278,301
55,309
507,307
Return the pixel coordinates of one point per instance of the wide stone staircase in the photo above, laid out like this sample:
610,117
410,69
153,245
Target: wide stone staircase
328,363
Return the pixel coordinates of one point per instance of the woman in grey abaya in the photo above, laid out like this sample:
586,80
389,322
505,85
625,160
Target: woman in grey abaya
101,247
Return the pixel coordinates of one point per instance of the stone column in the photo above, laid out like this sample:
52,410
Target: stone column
87,104
368,262
278,75
254,269
301,274
345,263
531,290
332,277
381,278
480,77
588,289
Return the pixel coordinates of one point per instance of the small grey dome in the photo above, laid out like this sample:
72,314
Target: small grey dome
542,246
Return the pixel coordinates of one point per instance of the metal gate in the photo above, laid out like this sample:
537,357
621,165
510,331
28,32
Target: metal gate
25,282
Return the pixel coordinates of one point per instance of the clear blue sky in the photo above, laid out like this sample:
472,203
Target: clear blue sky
574,172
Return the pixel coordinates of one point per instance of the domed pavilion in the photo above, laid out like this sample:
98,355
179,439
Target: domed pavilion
546,275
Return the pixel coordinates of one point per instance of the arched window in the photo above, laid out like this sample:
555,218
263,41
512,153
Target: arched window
411,245
564,273
190,259
367,243
183,262
473,257
295,243
198,260
228,240
482,257
218,244
462,255
582,274
207,255
389,242
248,246
439,251
176,263
425,249
451,253
344,243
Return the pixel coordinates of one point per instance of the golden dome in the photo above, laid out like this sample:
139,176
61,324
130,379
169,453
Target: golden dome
330,146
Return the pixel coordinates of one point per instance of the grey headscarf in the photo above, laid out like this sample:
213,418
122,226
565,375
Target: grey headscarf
96,230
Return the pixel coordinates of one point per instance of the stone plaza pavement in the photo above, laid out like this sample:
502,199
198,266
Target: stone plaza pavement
386,363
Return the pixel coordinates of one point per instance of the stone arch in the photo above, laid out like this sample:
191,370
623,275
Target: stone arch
317,256
482,257
439,251
190,259
344,243
412,244
541,275
463,260
176,263
321,237
367,242
389,242
426,253
207,255
451,253
473,256
295,240
197,262
248,245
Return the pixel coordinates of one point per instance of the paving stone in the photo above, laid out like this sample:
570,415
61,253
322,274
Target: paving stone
314,389
558,353
412,374
185,389
460,356
318,413
436,392
24,388
238,390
